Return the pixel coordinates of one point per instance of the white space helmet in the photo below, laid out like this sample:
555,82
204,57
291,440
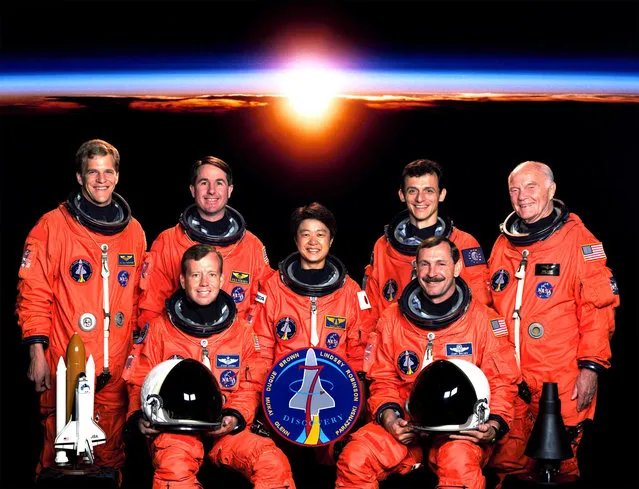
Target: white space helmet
449,396
181,395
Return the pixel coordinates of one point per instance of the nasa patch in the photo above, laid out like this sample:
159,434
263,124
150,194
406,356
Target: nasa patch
123,278
459,349
499,280
544,290
335,322
332,341
176,357
473,256
227,361
390,290
240,277
285,328
228,379
238,294
408,362
311,397
81,270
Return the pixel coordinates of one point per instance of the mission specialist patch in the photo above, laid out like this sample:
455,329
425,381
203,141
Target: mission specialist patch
81,270
499,280
285,328
408,362
390,290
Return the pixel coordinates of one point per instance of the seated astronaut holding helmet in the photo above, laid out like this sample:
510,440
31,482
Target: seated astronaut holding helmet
443,380
184,401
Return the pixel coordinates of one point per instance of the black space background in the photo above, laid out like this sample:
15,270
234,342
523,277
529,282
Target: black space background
593,149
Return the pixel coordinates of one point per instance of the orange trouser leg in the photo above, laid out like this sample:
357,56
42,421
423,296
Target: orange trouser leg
371,456
177,460
458,463
255,457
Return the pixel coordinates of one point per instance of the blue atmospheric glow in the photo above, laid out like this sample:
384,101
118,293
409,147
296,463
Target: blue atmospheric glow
351,82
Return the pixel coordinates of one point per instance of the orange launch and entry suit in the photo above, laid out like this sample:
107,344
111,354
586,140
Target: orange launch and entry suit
392,264
565,318
233,352
61,292
403,344
245,263
334,316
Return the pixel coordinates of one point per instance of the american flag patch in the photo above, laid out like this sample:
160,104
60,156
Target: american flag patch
593,252
499,327
256,342
264,254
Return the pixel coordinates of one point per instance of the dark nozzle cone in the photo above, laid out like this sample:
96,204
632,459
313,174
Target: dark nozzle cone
549,439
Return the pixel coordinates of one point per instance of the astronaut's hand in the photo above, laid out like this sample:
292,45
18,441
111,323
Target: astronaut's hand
398,427
38,370
485,434
585,388
145,428
229,423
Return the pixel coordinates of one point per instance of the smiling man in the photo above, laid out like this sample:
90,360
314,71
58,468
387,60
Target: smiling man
551,283
392,264
435,318
313,302
208,220
200,322
88,248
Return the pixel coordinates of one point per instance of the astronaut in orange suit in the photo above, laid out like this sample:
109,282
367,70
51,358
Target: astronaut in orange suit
201,322
313,301
78,255
392,264
435,318
550,281
208,220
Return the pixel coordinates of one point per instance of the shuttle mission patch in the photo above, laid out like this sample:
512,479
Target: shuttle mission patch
311,397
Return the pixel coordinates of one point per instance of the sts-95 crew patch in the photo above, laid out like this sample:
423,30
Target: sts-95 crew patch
311,397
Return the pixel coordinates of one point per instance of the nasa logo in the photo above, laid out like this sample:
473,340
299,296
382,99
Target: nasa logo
123,278
311,397
238,294
228,379
544,290
332,340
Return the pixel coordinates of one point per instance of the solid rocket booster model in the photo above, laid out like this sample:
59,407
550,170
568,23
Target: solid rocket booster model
76,429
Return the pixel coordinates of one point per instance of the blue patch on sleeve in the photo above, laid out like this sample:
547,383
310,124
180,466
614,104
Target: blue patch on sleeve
473,256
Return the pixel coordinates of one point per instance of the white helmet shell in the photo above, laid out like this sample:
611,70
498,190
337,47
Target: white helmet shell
449,396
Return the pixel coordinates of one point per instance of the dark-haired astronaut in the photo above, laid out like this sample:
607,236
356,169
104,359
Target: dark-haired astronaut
200,322
209,220
313,302
392,264
434,319
550,281
77,256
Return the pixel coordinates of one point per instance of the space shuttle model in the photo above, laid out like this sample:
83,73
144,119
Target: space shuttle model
76,430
